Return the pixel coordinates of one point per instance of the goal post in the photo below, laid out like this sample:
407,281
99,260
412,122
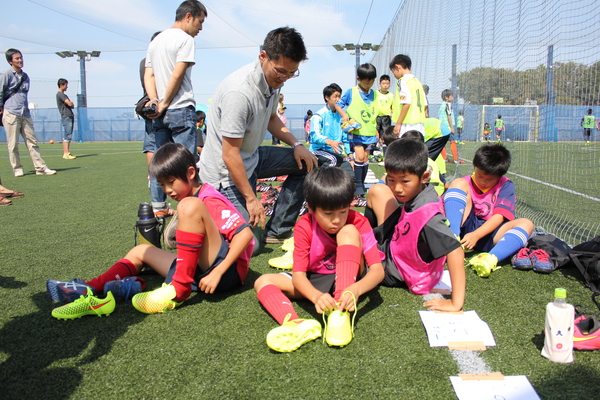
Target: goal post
521,122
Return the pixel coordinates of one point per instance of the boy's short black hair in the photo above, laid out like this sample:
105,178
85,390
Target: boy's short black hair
366,71
446,93
499,116
10,53
329,90
426,89
590,111
172,160
461,112
388,136
285,42
414,135
384,77
62,81
200,115
330,188
406,155
402,60
492,159
194,7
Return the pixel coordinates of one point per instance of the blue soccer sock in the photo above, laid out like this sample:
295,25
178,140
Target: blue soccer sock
359,170
455,201
510,243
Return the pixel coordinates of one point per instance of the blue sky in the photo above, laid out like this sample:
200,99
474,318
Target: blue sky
232,34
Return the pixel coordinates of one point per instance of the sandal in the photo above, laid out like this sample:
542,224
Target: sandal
5,202
13,193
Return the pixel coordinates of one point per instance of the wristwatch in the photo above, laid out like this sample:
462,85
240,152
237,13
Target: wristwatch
298,143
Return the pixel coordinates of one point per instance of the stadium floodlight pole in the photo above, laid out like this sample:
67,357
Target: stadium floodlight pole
82,57
356,48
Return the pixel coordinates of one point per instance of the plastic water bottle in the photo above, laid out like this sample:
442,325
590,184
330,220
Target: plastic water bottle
558,342
147,226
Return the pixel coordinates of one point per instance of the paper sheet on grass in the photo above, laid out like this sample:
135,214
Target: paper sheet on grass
442,328
511,388
444,286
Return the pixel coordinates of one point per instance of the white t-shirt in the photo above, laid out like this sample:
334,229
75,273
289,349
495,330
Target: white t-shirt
168,48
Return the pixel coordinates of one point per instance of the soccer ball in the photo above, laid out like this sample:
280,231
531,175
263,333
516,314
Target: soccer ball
51,141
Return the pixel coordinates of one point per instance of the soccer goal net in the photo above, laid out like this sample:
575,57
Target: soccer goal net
521,123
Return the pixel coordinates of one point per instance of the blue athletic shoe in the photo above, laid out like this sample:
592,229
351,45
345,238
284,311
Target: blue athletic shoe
126,288
522,260
541,261
67,290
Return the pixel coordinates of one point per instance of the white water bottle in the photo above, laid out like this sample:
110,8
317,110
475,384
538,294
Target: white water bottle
558,342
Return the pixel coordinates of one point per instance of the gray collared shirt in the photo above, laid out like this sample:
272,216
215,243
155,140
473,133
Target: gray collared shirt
17,104
241,108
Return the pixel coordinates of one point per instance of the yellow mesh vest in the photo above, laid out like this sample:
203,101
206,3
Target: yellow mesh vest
416,112
364,113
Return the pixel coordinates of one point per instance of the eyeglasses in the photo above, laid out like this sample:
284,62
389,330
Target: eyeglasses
284,75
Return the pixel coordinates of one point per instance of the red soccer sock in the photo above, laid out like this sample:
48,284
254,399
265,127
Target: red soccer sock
346,268
276,303
120,270
444,154
454,150
189,246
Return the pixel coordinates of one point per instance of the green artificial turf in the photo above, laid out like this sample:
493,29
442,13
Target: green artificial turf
80,221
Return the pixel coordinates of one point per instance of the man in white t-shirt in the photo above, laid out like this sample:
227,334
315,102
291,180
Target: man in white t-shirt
168,82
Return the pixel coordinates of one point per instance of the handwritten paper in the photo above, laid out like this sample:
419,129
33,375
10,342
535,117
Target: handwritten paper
510,388
442,328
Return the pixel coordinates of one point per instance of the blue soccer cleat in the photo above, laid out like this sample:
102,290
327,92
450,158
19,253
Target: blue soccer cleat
67,290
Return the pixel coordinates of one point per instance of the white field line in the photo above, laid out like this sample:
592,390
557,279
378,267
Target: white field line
556,187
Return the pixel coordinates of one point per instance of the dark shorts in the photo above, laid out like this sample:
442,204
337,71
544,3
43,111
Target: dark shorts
229,280
360,140
459,131
383,122
587,131
384,234
324,283
473,222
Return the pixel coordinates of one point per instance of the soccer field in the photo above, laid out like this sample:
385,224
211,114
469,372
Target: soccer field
80,221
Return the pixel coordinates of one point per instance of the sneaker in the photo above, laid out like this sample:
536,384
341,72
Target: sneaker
164,213
156,301
46,171
541,261
86,305
587,143
522,260
293,334
283,263
358,201
67,290
484,264
18,173
268,239
125,289
69,156
586,333
288,244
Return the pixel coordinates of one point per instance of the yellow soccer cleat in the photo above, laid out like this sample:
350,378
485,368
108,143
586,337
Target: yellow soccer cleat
156,301
339,329
293,334
283,263
288,244
484,264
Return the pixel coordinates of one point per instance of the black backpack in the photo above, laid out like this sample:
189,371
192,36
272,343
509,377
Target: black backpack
586,257
556,248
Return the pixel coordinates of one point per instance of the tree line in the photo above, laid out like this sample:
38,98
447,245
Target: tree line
573,84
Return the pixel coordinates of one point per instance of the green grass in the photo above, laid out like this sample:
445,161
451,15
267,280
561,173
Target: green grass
78,222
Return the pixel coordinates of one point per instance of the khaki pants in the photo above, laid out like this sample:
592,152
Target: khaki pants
15,125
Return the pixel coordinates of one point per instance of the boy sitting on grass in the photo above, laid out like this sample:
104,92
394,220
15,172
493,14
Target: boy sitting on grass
336,261
481,210
414,237
214,245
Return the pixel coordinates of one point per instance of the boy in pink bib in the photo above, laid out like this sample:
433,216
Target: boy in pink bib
411,229
481,210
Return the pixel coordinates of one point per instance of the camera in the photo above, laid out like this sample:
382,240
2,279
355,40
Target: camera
151,109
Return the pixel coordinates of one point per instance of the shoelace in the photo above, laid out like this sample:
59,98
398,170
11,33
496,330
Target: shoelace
541,255
524,253
353,316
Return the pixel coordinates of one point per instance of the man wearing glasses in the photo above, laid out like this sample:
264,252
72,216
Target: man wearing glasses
243,108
